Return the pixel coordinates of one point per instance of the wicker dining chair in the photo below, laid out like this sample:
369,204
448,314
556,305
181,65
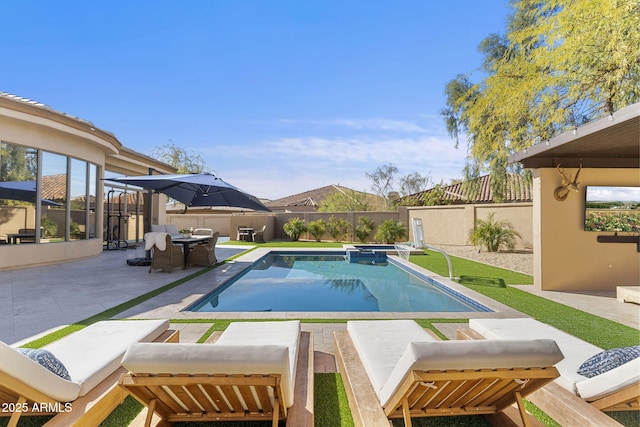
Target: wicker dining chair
205,254
172,257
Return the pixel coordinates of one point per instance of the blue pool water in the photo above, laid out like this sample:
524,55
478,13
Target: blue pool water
293,282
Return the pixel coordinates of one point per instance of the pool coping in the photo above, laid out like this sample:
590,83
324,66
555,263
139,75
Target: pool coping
171,303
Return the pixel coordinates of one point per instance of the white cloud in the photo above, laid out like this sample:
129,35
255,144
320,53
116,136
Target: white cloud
336,151
375,124
288,166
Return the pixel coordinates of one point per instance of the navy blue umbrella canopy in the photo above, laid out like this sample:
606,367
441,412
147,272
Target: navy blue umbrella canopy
202,189
22,190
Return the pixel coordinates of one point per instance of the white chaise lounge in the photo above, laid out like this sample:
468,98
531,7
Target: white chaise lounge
254,371
395,369
91,357
617,389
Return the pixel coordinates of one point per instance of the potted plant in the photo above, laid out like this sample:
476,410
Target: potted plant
186,232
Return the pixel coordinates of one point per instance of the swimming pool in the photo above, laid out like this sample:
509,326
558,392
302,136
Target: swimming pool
326,282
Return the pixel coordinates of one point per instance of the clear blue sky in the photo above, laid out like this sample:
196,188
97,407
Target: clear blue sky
278,97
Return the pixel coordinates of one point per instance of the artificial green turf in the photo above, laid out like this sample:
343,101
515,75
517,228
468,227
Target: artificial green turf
470,272
490,281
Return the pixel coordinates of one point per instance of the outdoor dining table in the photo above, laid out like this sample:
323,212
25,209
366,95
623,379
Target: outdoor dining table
15,238
245,233
186,243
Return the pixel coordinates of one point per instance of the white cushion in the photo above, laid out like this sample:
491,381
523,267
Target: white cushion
575,350
610,381
381,343
172,229
157,358
481,354
90,355
31,373
95,352
158,228
285,333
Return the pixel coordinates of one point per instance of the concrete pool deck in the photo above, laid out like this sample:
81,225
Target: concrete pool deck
38,299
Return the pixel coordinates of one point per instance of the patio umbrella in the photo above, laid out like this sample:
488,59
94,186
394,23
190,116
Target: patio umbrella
202,189
22,190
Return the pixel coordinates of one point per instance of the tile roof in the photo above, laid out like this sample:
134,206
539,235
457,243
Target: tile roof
518,189
316,196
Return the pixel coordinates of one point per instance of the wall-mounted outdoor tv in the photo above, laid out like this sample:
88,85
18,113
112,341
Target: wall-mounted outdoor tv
612,209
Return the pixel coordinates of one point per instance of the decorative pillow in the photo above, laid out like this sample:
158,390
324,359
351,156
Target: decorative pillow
608,360
48,360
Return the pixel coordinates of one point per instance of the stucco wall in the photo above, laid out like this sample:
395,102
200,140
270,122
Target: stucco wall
34,126
450,225
566,256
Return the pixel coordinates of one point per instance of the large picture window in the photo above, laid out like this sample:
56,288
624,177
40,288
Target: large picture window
45,197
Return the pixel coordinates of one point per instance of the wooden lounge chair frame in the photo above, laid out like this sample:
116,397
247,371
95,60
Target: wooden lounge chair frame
90,409
562,405
262,395
436,393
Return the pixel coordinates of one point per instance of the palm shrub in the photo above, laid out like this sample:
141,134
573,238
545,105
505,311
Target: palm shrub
294,228
338,228
317,229
364,228
493,234
390,231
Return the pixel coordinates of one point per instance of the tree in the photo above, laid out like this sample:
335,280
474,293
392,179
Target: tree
493,234
178,157
383,179
364,228
413,183
338,228
345,201
390,231
294,228
560,64
317,229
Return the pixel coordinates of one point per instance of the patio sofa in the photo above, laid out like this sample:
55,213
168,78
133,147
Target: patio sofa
396,369
254,371
581,371
81,368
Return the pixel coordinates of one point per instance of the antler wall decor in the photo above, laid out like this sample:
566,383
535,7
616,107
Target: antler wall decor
561,193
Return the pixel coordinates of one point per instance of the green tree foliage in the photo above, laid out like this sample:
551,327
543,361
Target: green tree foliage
338,228
294,228
385,177
413,183
345,201
493,234
178,157
317,229
390,231
17,163
364,228
382,180
561,63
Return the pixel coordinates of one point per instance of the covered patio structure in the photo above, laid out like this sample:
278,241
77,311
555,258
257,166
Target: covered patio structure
567,257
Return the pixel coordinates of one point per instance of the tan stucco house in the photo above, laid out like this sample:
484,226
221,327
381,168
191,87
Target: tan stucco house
47,153
566,256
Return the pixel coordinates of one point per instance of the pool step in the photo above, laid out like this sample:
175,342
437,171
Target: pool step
366,255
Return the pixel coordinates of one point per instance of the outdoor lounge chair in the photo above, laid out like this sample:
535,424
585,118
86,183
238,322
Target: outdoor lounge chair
204,254
92,358
395,369
165,255
254,371
617,389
